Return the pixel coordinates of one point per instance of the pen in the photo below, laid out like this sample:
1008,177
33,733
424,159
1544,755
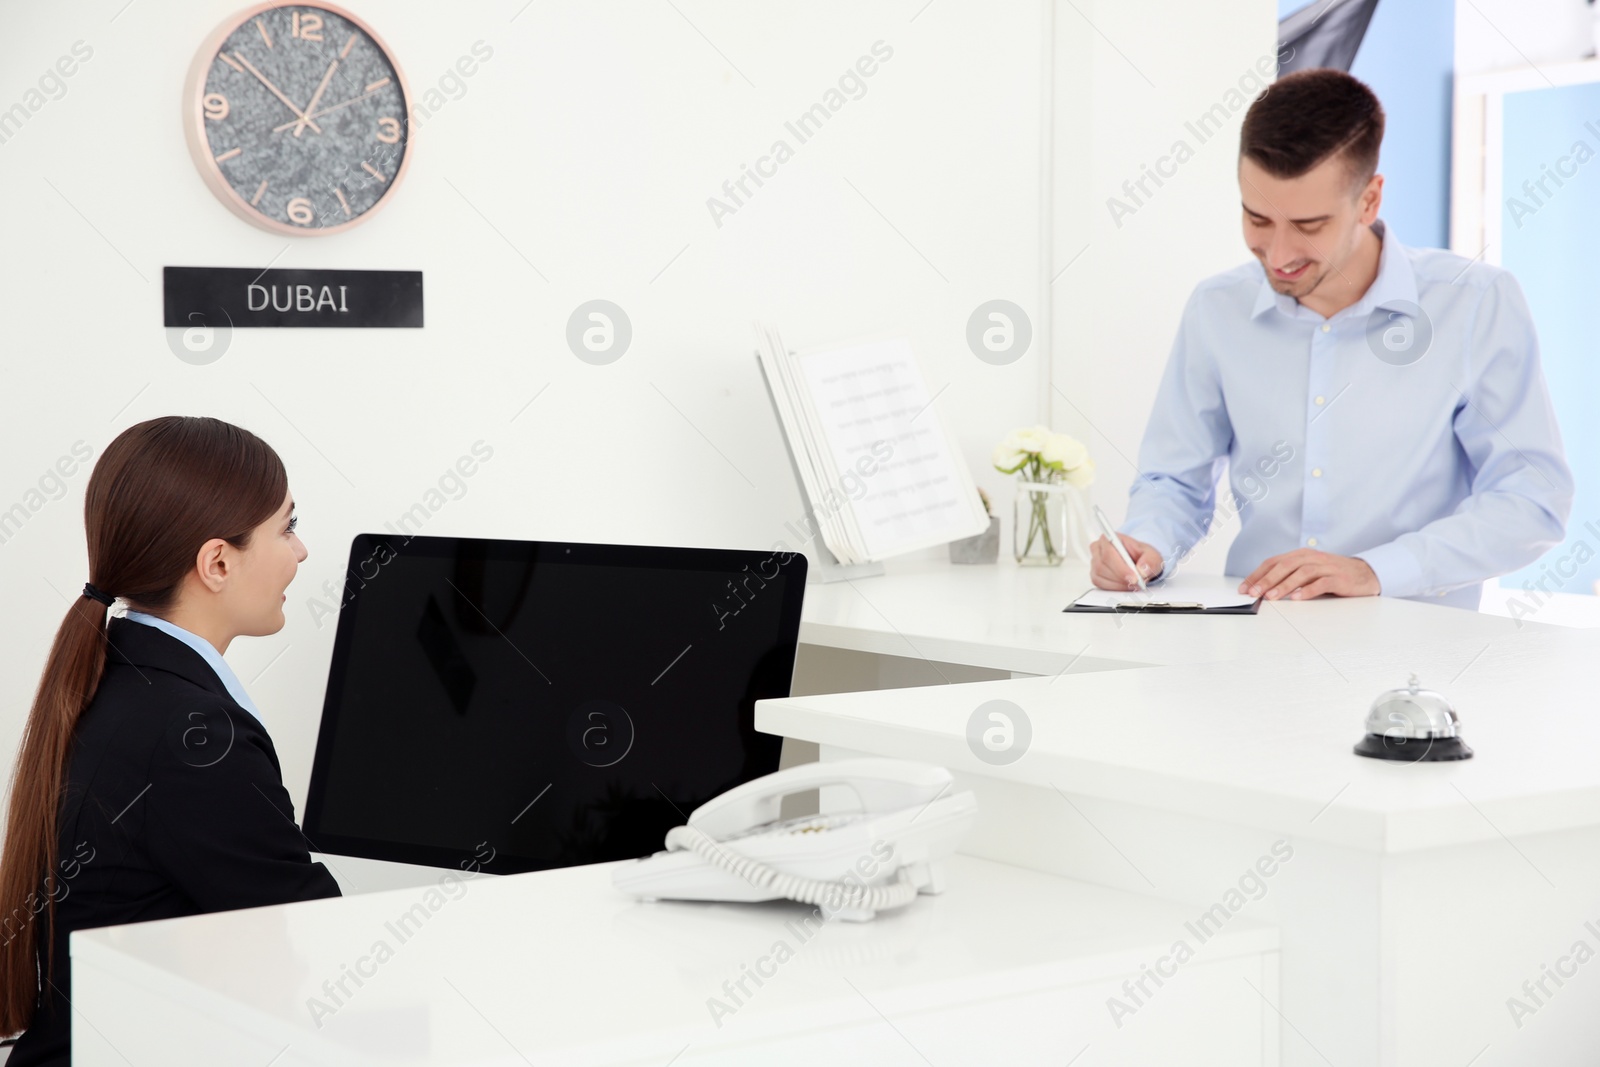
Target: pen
1116,543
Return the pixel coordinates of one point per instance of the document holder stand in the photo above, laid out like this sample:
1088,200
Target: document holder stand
825,566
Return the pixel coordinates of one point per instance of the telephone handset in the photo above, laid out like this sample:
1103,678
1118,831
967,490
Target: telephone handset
851,864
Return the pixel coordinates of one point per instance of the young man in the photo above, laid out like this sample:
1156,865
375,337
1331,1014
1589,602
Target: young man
1380,409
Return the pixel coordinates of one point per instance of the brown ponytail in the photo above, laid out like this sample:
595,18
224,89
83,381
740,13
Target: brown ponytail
160,491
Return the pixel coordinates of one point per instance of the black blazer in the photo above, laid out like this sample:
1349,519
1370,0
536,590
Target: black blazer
174,805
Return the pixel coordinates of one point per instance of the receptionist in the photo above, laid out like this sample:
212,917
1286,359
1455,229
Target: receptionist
146,785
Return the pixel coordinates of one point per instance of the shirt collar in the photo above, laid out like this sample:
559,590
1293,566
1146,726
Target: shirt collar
208,652
1394,287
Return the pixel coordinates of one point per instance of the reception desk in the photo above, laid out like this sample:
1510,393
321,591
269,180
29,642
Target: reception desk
1007,966
1003,620
1419,898
1186,807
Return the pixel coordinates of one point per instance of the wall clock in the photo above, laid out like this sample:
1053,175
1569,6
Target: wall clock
298,117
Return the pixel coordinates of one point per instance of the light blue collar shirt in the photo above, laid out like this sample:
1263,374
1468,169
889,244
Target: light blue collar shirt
208,652
1412,430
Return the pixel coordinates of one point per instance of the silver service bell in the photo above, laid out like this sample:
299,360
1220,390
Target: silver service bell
1413,725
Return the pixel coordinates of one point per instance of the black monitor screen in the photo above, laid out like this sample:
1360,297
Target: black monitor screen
544,703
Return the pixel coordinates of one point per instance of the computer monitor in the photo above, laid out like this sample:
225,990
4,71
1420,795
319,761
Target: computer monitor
542,702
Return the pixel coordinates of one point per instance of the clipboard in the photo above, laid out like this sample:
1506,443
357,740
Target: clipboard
1180,594
1159,607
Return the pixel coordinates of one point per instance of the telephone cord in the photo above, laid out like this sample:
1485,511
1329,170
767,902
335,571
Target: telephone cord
834,896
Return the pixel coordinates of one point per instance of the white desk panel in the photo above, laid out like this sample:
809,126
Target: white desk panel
1419,897
1007,617
1007,966
1266,741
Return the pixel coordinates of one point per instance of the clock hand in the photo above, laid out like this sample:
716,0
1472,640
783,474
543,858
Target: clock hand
311,105
326,110
276,91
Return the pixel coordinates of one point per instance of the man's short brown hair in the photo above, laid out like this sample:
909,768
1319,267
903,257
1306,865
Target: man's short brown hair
1309,116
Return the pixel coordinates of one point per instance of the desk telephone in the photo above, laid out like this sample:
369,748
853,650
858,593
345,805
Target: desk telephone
851,864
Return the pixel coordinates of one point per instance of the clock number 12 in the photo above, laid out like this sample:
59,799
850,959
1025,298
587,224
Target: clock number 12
307,27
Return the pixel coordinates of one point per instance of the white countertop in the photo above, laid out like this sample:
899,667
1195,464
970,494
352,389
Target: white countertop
1007,617
1265,741
558,964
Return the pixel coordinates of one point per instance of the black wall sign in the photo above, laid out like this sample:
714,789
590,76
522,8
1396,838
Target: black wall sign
247,296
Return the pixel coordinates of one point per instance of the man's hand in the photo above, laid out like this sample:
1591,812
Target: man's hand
1306,573
1107,570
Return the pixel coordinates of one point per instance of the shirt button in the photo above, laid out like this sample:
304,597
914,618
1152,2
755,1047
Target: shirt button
1312,542
1326,327
1321,400
1317,472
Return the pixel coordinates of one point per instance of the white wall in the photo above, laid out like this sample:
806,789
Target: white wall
590,142
1152,69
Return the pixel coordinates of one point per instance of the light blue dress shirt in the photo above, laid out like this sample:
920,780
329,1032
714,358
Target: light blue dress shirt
209,653
1440,470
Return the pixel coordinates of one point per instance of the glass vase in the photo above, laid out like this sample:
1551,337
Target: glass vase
1050,523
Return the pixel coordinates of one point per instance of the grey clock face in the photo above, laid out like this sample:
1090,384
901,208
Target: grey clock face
305,118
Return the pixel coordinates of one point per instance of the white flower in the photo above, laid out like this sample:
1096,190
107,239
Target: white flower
1007,459
1064,452
1032,439
1082,475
